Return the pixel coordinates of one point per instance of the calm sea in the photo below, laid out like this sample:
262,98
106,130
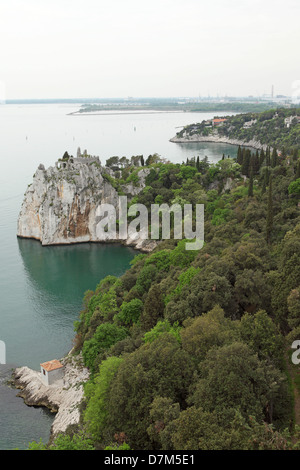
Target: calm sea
41,288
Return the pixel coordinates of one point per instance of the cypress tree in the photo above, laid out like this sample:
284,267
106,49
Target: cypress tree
268,157
267,175
243,155
274,158
250,187
269,227
239,157
261,157
246,163
198,164
298,170
255,163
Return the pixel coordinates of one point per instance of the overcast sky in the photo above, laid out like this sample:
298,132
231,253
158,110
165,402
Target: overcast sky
120,48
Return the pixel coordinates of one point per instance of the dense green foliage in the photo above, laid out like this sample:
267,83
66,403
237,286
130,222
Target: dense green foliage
193,354
187,350
269,128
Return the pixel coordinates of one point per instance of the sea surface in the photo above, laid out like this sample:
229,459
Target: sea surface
41,288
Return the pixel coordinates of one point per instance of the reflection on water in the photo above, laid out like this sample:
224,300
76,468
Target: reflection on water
63,273
56,279
37,316
213,151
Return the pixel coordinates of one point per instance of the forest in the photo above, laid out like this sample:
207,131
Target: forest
269,128
191,350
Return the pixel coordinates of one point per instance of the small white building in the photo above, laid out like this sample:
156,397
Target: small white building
52,371
249,123
288,121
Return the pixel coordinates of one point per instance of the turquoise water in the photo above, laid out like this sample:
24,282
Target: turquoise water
41,288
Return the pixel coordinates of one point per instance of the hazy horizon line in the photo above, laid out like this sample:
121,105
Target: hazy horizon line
120,98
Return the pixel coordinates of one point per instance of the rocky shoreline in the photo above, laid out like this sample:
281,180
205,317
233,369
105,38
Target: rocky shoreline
62,397
139,244
218,140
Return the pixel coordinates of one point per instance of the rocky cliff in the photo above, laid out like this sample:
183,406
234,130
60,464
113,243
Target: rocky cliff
60,206
62,398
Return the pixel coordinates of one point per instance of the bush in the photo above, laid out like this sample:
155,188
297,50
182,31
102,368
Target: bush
105,336
294,187
160,328
130,312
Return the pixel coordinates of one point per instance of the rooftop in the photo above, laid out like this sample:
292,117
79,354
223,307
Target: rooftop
51,365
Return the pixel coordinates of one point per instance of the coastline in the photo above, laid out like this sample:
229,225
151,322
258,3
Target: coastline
114,113
219,140
142,245
63,397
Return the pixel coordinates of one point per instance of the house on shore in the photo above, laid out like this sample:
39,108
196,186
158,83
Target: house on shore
218,122
51,371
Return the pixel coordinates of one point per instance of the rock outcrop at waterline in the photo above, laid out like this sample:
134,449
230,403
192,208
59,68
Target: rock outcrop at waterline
62,397
60,206
217,139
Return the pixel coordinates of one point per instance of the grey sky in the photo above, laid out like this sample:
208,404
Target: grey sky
96,48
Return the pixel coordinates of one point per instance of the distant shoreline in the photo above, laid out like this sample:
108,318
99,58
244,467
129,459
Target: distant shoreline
113,113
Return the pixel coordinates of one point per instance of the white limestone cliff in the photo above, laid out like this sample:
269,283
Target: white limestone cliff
60,206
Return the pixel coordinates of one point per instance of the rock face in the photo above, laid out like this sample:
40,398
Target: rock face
62,397
60,206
